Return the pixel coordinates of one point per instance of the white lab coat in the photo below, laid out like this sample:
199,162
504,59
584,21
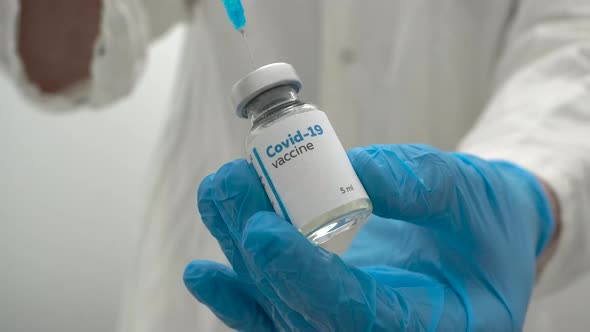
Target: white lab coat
500,79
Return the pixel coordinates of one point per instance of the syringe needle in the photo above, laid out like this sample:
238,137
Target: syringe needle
243,32
235,12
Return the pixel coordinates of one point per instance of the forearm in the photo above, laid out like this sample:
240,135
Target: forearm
538,118
56,41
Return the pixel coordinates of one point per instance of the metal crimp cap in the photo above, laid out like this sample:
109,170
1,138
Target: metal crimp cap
260,80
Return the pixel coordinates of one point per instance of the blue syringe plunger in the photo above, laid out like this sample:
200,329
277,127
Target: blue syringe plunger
235,11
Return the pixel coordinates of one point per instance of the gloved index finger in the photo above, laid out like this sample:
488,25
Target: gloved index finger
238,195
230,246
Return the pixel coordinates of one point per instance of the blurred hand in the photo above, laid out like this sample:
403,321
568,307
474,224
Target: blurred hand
56,41
452,247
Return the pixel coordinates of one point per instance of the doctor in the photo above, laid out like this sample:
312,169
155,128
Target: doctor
504,81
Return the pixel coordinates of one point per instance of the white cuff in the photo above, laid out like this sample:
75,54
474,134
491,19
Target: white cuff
120,51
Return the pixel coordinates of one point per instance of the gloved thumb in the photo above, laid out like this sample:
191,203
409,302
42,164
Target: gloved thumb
407,182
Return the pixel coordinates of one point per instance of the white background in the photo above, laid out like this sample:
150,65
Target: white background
72,194
72,191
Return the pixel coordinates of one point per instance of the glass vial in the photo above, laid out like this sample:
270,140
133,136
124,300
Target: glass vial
300,160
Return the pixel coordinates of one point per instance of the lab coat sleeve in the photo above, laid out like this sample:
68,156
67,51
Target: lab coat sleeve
539,118
127,27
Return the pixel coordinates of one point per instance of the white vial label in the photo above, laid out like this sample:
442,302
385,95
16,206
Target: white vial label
304,168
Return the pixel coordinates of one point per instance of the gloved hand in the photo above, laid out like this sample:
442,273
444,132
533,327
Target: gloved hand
452,247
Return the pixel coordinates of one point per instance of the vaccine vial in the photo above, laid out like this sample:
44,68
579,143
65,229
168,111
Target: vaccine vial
297,155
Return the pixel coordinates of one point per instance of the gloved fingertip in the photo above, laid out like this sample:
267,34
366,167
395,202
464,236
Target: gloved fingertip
204,193
202,277
195,276
233,177
196,269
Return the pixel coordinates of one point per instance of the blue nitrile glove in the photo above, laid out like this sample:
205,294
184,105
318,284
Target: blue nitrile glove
458,252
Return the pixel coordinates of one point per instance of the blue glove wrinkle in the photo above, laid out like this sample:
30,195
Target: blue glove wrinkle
214,222
239,195
409,289
280,254
480,170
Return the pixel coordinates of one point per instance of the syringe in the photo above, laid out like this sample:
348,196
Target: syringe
235,11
